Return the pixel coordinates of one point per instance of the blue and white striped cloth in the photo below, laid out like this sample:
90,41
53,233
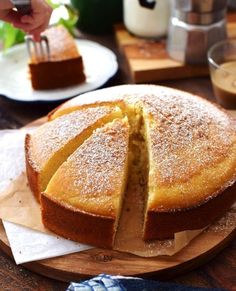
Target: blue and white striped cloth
105,282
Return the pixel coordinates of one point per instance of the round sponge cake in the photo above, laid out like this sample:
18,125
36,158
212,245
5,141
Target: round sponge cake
187,145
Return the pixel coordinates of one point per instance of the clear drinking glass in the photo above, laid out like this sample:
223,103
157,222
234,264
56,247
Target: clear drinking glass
222,63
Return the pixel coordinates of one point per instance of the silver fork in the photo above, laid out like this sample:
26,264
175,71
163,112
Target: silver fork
38,50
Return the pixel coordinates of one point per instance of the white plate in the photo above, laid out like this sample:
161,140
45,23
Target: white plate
99,62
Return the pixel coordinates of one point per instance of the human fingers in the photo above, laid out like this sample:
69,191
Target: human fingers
34,29
41,8
37,32
27,19
29,23
33,23
39,17
31,26
34,20
12,17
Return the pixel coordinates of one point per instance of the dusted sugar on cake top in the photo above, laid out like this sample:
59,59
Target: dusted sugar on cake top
50,145
181,150
86,192
64,66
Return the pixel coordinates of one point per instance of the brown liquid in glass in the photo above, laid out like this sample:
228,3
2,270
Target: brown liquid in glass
224,84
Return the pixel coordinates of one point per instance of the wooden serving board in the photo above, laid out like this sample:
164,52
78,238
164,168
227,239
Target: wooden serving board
92,262
149,61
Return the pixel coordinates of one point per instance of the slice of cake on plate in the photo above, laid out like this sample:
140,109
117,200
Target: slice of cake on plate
64,66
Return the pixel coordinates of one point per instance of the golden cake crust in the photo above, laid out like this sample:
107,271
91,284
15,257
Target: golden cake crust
102,97
77,225
50,145
31,172
122,96
164,224
90,184
191,147
200,133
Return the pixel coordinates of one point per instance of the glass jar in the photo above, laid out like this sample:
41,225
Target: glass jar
147,18
222,64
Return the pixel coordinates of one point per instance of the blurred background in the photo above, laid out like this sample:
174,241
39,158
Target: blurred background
90,16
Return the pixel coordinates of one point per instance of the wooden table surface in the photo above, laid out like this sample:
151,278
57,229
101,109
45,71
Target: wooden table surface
219,272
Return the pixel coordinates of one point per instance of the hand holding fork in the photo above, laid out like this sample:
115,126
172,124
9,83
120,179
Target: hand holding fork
32,16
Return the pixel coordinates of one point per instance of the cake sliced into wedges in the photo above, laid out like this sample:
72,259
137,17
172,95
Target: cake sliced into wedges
51,144
182,144
63,68
192,160
83,199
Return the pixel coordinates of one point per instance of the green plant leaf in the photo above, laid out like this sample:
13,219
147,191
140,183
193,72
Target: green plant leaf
69,23
10,35
53,4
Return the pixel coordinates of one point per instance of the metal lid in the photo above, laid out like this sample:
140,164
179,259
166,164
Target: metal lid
200,18
200,6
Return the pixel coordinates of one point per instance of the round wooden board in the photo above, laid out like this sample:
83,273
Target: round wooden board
92,262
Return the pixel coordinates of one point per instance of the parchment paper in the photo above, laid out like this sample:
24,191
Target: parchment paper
26,244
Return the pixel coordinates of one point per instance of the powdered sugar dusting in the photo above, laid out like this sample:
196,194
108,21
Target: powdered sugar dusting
54,135
118,95
187,133
96,170
62,45
226,224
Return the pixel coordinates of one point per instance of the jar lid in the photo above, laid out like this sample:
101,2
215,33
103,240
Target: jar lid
200,6
200,18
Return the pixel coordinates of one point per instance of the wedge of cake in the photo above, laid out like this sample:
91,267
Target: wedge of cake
83,199
50,145
192,160
63,68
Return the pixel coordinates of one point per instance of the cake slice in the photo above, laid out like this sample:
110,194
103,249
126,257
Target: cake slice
192,160
83,199
50,144
65,66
